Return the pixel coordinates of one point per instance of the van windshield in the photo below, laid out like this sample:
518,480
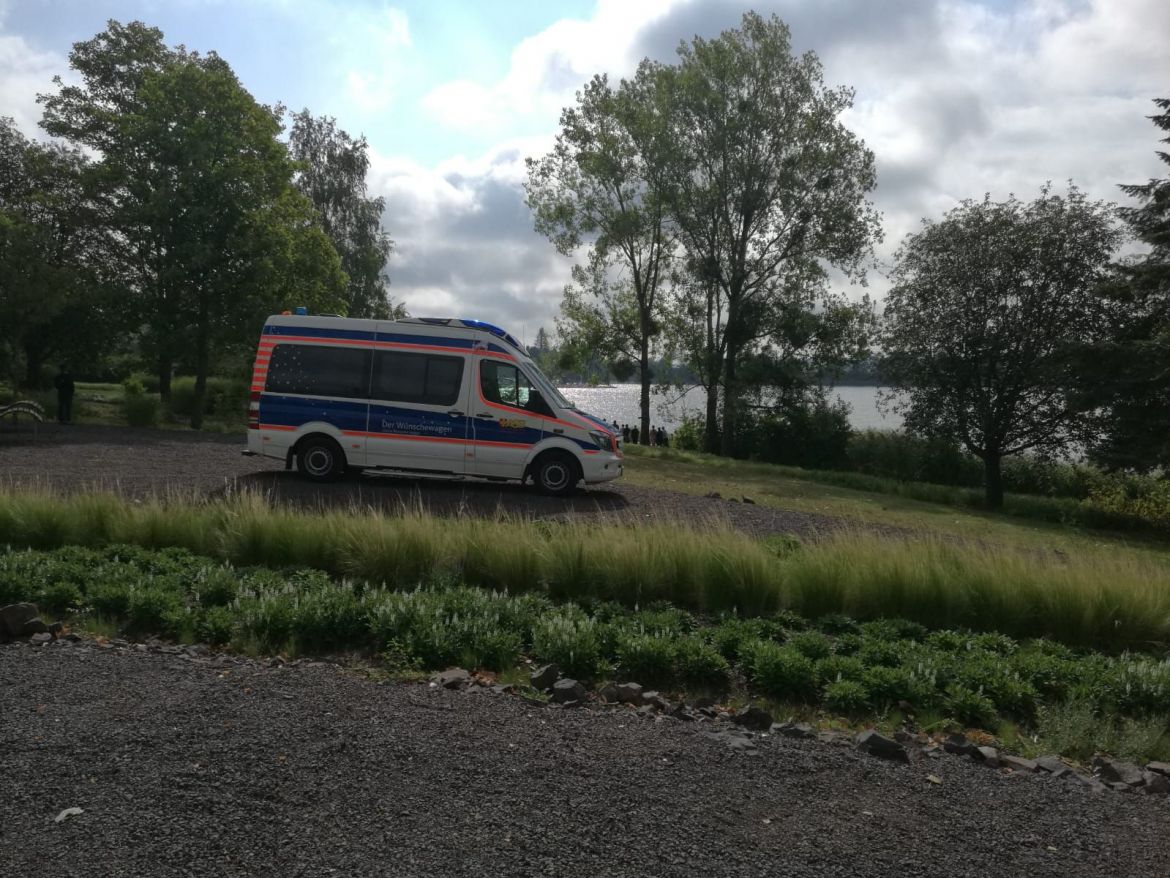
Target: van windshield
550,393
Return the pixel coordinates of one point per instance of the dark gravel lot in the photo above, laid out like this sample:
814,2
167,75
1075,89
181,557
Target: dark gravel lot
187,766
138,462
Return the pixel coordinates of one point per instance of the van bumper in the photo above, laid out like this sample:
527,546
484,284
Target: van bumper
601,467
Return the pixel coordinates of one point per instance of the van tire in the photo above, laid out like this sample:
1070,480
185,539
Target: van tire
556,473
320,459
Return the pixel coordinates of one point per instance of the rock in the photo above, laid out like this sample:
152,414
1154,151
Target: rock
879,745
41,638
567,689
502,689
34,626
66,814
1053,765
748,500
989,756
630,693
454,678
13,618
542,679
56,628
959,745
646,710
610,694
1159,768
1157,784
1019,763
709,701
73,638
793,730
752,717
713,495
1119,786
902,736
654,700
1116,771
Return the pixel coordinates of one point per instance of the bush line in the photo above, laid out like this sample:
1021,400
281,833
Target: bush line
1085,599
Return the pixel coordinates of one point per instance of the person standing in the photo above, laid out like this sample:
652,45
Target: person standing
634,434
64,384
625,434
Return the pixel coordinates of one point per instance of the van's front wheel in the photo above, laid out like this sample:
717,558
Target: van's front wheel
320,459
556,474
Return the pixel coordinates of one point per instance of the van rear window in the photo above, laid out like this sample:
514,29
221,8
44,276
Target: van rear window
429,379
319,370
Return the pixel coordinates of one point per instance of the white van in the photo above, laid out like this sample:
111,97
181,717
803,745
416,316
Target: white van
436,397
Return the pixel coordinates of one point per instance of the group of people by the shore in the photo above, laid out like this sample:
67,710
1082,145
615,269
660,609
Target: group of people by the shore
658,435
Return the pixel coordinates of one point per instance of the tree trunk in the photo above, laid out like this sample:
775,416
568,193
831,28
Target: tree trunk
644,398
730,400
202,361
711,443
992,480
165,367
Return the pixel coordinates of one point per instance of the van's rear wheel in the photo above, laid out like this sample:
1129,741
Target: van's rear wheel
320,459
556,474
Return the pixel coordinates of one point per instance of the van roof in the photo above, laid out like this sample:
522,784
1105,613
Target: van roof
477,326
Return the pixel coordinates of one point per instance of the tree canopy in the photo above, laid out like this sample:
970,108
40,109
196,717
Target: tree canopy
986,307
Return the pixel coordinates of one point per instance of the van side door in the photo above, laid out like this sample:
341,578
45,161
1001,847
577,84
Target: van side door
418,410
509,419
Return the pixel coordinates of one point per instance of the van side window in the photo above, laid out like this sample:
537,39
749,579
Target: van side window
428,379
319,370
505,384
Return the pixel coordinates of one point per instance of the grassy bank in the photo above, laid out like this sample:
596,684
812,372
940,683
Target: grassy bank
1033,694
1102,599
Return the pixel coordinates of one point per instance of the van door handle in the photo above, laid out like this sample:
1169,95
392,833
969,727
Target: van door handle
455,414
485,415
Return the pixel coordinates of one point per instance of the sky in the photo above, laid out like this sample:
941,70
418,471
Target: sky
957,98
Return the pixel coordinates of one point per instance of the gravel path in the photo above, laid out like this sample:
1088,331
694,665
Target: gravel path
137,462
187,766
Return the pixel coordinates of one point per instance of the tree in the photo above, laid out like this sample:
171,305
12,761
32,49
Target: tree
333,171
767,188
597,183
1127,374
49,300
196,189
986,306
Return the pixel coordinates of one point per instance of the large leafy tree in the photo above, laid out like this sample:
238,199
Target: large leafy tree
49,254
767,189
986,306
1127,374
196,188
597,185
332,174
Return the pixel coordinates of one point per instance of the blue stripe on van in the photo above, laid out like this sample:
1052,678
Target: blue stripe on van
292,411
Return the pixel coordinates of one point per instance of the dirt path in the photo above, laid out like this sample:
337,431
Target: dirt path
137,462
187,766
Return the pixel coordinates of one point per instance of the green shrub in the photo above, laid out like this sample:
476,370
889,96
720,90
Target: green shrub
893,629
888,686
647,659
848,644
731,634
837,623
569,639
224,397
110,600
153,610
969,707
888,653
217,587
691,434
698,664
216,625
811,644
138,407
838,667
846,697
780,671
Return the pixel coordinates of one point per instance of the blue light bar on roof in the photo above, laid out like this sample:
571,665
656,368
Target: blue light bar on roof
494,330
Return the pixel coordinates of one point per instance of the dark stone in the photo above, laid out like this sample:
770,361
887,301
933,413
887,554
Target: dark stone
610,693
630,693
34,626
1156,784
1116,771
1120,786
709,701
1053,765
543,678
1159,768
56,628
793,730
654,700
713,495
503,689
1019,763
646,710
959,745
13,618
73,638
41,637
989,756
567,689
904,737
879,745
749,500
752,717
454,678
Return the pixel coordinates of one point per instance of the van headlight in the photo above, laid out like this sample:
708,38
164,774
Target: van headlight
602,440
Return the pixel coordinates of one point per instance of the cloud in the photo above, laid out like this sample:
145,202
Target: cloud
383,44
25,71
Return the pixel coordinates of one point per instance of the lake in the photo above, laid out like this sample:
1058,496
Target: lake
619,402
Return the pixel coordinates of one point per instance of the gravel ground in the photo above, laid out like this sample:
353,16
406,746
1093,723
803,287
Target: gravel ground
188,766
137,462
